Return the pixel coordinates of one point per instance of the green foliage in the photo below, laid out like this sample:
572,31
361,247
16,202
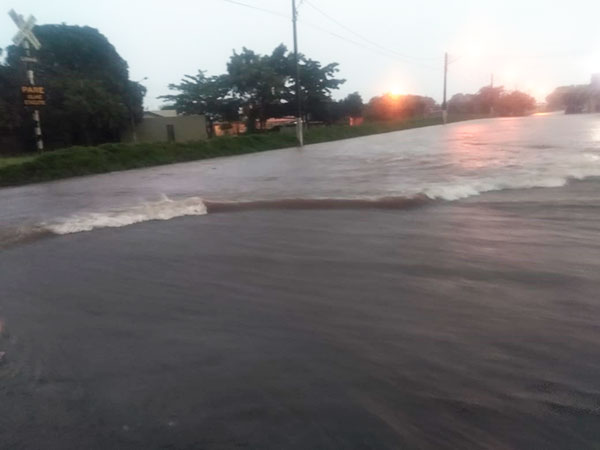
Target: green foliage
90,98
10,160
10,119
351,106
199,94
76,161
316,84
259,81
261,86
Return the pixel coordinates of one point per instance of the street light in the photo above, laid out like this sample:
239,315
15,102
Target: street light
131,118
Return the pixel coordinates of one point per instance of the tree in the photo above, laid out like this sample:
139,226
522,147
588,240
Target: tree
316,84
399,107
9,98
353,105
492,100
463,104
487,98
259,82
514,103
261,86
211,96
572,99
90,98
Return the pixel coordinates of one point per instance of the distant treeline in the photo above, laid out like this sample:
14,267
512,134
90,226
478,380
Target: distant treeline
576,98
492,100
91,100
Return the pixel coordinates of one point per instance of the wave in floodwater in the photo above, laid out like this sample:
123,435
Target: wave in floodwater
166,208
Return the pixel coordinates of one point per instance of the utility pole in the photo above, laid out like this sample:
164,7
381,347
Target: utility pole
492,112
444,103
25,37
37,126
299,128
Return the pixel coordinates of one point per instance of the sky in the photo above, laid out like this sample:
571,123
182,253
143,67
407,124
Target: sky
380,45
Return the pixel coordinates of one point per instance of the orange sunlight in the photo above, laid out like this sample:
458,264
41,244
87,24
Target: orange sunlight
395,91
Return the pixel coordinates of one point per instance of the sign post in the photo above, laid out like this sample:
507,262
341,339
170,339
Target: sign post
32,95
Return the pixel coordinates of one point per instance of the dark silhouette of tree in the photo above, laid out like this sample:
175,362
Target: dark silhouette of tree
90,98
572,99
399,107
487,98
492,100
353,105
10,118
514,103
463,104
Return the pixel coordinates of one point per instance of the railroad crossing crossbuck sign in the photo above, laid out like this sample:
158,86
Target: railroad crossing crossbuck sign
25,30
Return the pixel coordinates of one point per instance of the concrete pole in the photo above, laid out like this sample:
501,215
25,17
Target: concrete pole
444,103
132,120
299,128
36,114
492,112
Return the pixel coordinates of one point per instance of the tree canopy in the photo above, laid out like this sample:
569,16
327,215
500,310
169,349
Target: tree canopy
89,96
492,100
259,87
573,99
9,97
398,107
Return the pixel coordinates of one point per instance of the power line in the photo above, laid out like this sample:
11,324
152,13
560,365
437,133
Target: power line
258,8
375,44
385,53
359,44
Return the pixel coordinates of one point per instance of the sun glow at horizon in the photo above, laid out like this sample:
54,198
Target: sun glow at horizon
395,91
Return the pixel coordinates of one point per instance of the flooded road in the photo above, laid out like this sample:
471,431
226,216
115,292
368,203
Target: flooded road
452,162
467,317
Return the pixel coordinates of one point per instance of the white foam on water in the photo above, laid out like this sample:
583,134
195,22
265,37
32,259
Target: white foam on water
164,209
460,190
556,172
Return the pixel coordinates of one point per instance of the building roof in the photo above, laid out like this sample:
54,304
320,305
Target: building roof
161,113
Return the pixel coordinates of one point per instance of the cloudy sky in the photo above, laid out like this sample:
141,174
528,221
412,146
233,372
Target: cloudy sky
381,45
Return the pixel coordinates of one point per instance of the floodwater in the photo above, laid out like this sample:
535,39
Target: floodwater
431,288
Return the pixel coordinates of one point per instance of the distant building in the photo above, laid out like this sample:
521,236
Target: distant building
229,128
280,122
355,121
168,126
